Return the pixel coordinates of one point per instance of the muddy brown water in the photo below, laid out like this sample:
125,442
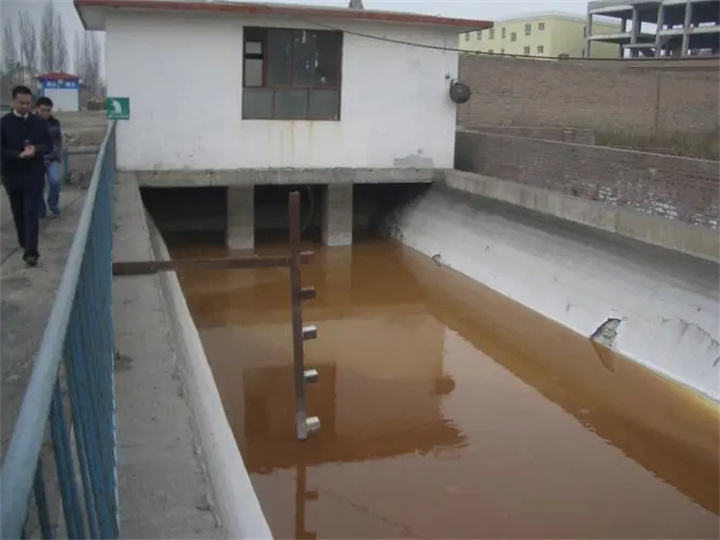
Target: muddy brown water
447,410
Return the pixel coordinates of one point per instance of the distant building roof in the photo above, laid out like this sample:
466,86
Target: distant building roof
554,15
57,76
278,10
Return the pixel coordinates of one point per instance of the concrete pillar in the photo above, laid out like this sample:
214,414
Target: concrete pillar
686,29
337,221
240,232
635,31
660,25
588,35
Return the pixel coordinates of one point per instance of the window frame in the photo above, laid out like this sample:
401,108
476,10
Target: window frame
513,36
540,49
261,34
526,50
528,29
541,27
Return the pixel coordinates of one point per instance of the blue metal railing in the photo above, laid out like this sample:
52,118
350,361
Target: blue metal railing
72,388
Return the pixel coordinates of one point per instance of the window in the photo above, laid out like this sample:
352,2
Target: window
492,33
528,29
291,74
502,51
540,49
526,51
479,34
583,53
584,31
467,37
513,36
541,26
503,32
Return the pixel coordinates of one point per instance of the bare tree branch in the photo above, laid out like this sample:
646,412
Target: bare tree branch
47,51
78,56
60,44
53,45
11,62
91,59
28,44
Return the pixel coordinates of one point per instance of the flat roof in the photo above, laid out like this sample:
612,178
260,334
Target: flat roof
277,10
552,15
57,75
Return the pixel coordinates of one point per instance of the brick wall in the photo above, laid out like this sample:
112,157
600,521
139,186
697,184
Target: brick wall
654,99
678,188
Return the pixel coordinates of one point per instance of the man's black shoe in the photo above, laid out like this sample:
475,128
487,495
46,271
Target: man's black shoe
30,260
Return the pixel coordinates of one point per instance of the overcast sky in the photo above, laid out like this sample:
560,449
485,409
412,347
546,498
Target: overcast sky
471,9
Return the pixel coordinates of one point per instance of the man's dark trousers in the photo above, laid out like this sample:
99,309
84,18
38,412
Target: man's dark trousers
25,211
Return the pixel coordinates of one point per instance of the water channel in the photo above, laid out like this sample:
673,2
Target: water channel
447,410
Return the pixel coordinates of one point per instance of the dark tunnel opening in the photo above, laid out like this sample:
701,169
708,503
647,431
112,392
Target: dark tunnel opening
199,215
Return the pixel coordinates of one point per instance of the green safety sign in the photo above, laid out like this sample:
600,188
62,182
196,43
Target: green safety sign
118,108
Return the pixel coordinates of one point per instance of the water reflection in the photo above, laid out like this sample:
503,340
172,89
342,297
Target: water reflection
447,411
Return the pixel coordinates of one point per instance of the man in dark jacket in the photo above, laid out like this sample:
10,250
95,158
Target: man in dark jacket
44,107
24,141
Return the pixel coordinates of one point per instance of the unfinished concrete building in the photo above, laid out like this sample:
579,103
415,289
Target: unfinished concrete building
654,28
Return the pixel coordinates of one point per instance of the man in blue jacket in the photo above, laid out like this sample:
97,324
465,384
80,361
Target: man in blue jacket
24,141
44,107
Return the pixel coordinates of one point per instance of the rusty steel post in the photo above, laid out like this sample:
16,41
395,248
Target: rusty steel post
304,424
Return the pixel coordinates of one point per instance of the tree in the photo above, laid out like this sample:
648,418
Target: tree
78,56
28,44
87,61
11,63
53,46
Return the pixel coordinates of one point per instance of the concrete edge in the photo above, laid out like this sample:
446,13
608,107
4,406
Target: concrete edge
654,230
239,509
251,177
598,148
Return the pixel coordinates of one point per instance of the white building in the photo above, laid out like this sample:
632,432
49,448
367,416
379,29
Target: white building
329,96
62,88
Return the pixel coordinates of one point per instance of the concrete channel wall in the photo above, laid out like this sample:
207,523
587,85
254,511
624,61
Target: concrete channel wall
578,276
235,498
682,192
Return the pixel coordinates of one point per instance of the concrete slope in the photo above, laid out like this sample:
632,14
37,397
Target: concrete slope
579,277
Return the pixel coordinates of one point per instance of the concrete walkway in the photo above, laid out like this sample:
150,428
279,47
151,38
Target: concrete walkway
163,487
163,492
26,299
27,294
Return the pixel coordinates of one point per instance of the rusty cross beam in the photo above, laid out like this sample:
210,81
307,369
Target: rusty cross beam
136,268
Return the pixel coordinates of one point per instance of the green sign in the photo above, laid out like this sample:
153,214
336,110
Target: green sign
117,108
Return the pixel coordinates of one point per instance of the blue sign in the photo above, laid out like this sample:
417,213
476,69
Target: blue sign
64,84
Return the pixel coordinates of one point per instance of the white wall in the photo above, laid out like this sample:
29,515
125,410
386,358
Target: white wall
64,100
183,75
671,318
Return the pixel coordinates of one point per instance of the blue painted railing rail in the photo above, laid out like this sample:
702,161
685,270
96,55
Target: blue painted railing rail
72,389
